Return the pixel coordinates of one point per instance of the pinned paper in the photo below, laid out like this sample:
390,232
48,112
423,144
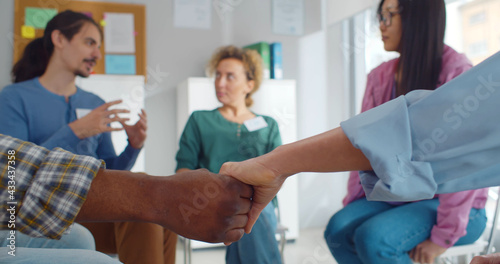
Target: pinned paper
193,14
38,17
120,64
27,32
119,33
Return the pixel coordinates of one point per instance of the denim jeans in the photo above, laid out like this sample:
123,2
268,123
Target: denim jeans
76,247
379,232
260,246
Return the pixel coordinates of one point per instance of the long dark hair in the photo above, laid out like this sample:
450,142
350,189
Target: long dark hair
37,53
422,44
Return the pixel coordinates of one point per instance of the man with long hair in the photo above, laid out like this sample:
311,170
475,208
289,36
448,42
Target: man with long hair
44,106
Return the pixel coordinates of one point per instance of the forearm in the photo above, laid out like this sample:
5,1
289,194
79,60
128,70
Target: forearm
197,204
327,152
63,138
118,196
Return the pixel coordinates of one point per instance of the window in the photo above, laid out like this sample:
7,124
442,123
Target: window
478,49
477,18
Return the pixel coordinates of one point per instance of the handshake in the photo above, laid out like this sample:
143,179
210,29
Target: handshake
201,205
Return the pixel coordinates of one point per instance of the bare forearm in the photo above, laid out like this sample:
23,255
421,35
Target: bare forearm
195,204
118,196
328,152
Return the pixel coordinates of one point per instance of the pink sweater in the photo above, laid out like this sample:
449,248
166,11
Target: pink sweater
454,208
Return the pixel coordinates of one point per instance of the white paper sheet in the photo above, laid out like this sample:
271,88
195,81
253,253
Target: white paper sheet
119,34
288,17
193,14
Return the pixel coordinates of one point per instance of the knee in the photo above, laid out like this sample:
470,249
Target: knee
79,237
369,243
337,230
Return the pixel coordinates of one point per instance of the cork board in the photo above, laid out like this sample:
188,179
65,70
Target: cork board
41,10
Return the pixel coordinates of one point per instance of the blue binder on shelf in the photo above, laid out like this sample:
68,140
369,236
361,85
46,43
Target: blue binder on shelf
276,61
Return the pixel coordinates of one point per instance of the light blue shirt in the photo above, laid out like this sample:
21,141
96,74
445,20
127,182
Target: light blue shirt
429,142
32,113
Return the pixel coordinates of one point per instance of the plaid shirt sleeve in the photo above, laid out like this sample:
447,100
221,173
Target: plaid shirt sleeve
45,188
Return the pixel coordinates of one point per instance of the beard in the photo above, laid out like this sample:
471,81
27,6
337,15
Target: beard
84,74
81,74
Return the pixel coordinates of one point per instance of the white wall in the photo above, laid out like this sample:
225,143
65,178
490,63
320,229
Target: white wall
338,10
6,40
175,54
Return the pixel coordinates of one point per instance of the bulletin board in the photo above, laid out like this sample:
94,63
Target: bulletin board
29,16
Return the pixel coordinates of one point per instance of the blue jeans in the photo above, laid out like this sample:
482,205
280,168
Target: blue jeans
378,232
260,246
76,247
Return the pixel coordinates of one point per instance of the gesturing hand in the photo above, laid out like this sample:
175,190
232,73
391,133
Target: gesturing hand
265,182
426,252
137,132
98,120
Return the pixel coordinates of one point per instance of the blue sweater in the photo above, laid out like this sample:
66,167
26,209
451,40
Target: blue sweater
30,112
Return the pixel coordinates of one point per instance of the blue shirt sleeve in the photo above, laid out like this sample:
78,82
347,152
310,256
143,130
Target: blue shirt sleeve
106,151
13,120
424,143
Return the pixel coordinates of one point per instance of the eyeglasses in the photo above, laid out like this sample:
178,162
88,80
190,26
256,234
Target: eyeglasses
386,17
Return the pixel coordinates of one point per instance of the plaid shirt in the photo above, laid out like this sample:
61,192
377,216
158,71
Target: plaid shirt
42,190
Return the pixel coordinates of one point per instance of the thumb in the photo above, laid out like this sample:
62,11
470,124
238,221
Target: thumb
253,215
226,168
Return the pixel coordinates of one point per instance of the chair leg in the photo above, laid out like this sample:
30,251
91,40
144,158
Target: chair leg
187,251
282,247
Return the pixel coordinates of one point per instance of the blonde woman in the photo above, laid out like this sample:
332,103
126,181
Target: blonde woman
234,133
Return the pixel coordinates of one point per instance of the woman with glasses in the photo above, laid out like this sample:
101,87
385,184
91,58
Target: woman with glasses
381,232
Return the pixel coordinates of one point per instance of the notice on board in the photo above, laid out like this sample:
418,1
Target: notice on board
120,64
119,33
38,17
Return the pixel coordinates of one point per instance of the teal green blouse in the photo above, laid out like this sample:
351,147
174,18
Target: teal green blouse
209,140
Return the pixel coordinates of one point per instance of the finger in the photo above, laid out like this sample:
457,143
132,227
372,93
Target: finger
116,111
117,119
112,129
238,221
142,124
233,235
411,254
244,206
253,215
144,113
428,258
246,191
417,255
108,104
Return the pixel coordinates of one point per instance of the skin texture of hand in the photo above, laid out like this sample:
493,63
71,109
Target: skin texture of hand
195,204
98,120
426,252
137,132
486,259
265,182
